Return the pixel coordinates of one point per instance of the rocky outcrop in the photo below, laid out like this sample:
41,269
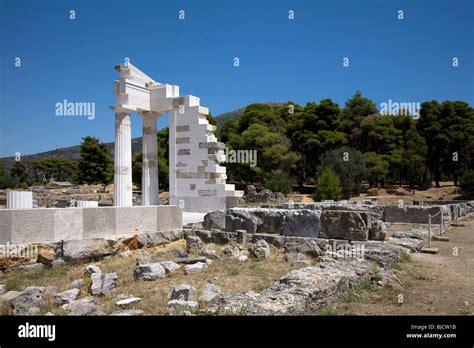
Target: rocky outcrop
302,291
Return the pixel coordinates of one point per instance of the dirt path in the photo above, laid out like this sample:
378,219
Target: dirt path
440,284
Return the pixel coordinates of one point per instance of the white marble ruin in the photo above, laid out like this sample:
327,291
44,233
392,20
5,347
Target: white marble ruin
19,200
197,181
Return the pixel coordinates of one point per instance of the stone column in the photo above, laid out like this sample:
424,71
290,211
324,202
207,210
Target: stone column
150,190
19,200
172,156
123,161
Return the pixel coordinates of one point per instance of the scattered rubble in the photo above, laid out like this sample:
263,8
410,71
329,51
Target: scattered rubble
210,294
260,250
76,284
83,307
64,297
150,271
103,283
128,301
197,267
27,302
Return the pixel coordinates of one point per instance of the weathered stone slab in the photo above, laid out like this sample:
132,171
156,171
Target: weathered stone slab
68,224
299,292
215,220
32,225
274,221
348,225
414,214
144,219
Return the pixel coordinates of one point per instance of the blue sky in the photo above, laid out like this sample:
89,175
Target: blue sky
280,60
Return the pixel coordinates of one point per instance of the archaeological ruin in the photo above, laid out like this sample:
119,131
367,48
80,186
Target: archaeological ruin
327,248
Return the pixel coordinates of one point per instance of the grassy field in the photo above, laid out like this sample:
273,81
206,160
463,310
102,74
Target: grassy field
230,275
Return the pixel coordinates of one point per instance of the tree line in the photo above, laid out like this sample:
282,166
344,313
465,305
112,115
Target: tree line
356,144
317,144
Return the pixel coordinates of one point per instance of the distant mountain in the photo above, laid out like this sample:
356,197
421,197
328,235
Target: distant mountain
72,152
238,112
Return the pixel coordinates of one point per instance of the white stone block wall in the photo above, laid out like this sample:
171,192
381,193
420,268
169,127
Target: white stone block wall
87,204
197,180
55,224
19,200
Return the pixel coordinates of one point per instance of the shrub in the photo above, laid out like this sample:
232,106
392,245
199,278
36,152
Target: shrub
277,181
328,186
467,185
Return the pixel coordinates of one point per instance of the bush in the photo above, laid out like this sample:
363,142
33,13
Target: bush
6,182
328,186
277,181
467,185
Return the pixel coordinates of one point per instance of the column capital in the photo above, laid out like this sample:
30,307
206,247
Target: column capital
149,114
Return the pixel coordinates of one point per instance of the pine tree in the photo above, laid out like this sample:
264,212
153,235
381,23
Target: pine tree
95,165
328,186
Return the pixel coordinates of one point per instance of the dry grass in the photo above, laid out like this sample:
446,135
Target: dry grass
229,274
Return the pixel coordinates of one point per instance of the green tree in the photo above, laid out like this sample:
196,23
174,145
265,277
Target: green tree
414,157
19,172
467,185
377,168
137,160
227,130
313,131
278,181
328,186
377,134
95,165
212,120
6,181
355,109
349,166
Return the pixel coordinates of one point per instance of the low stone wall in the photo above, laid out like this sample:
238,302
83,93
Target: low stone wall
350,224
55,224
31,255
416,214
302,222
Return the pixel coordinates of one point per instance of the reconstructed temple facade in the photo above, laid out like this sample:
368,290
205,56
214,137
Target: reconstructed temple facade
197,181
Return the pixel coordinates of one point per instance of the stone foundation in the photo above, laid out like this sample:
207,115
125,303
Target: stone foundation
416,214
30,255
54,224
